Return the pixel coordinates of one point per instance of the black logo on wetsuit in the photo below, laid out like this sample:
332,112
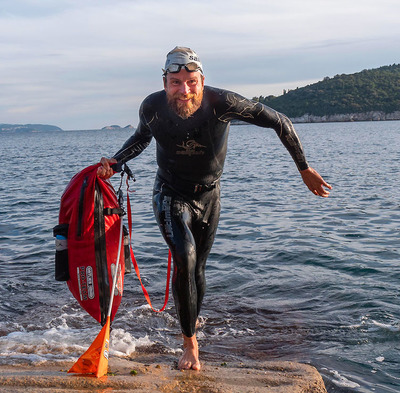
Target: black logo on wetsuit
190,148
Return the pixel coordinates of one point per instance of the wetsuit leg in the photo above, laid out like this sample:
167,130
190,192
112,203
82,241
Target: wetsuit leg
190,240
204,232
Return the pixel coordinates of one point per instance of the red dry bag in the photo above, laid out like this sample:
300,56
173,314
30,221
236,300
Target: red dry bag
87,240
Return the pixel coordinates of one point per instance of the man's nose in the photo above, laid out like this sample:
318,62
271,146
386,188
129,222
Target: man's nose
185,89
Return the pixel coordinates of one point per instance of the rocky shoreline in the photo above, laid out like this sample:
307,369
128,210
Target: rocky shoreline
349,117
159,375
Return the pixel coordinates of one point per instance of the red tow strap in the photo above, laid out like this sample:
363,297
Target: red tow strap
135,265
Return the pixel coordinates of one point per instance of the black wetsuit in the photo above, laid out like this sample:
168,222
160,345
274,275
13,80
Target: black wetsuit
190,156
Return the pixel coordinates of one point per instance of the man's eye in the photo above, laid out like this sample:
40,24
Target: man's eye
192,82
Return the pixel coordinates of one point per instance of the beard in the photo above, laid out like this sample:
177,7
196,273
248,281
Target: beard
185,109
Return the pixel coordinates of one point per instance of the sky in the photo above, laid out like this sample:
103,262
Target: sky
86,64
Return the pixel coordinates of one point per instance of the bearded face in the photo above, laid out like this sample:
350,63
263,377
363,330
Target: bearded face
184,92
184,105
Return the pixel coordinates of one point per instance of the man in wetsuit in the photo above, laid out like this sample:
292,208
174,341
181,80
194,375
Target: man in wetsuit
190,123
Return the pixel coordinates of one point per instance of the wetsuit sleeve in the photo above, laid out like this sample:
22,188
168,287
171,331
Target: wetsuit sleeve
241,108
137,142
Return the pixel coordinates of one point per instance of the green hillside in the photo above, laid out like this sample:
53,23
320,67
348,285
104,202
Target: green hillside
366,91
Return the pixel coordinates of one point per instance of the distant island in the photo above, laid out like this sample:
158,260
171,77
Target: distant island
28,128
364,96
115,127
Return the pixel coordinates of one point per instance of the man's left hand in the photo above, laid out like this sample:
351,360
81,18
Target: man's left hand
315,183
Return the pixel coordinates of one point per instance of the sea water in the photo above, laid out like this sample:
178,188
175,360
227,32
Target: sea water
291,276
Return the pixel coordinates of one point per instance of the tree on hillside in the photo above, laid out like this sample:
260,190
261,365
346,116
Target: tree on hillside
365,91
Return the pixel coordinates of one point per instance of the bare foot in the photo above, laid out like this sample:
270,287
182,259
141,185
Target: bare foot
190,357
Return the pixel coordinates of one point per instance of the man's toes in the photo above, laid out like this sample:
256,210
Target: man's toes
184,365
196,366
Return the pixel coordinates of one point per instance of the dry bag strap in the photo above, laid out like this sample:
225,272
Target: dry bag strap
135,265
108,211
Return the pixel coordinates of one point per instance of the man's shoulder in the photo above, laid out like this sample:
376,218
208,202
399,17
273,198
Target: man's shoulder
222,99
155,98
214,91
152,104
215,96
221,94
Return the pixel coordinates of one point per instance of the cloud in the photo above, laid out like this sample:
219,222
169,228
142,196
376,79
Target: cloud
85,64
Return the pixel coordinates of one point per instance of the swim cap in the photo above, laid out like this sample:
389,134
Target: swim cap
182,56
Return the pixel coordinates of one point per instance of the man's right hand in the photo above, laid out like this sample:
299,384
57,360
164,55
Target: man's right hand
104,171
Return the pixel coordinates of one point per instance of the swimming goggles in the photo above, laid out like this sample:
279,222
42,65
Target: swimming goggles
189,67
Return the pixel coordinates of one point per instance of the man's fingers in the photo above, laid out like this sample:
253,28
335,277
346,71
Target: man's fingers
101,172
105,162
105,171
319,190
322,192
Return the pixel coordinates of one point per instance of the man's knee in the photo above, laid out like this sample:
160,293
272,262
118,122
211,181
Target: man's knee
185,260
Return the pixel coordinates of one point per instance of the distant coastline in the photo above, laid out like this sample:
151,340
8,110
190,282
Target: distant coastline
348,117
46,128
28,127
340,118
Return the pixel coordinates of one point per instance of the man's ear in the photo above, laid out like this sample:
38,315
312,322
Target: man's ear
165,82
